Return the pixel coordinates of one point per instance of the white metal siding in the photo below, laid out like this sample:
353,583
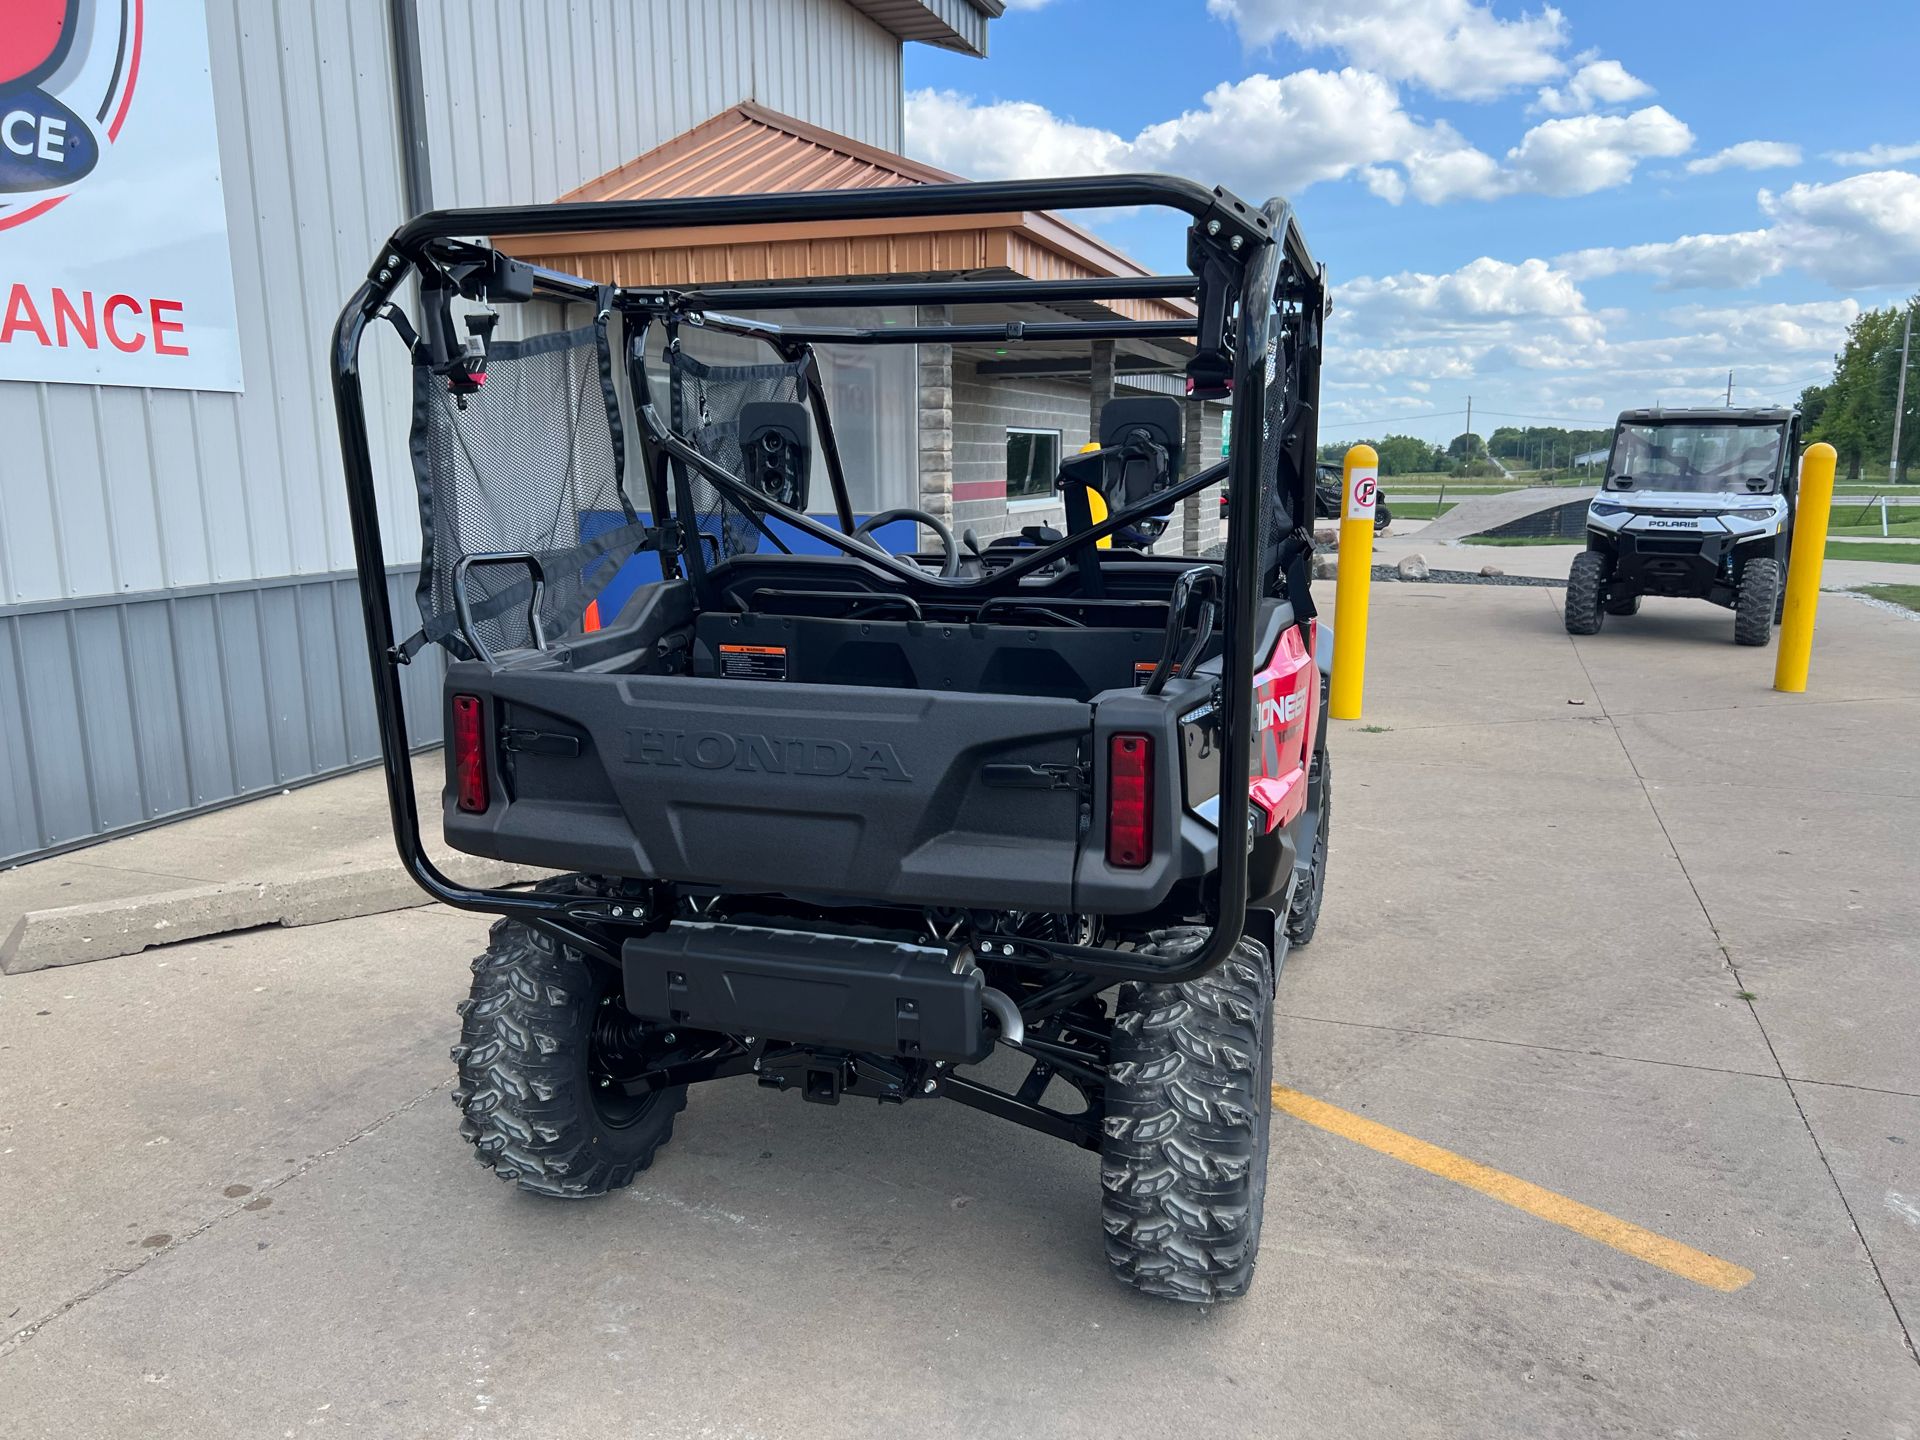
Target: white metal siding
176,628
109,490
527,99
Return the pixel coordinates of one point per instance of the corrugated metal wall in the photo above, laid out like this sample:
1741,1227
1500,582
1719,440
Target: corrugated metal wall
177,624
529,98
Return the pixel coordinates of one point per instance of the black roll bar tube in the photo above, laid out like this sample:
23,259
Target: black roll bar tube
882,293
1221,223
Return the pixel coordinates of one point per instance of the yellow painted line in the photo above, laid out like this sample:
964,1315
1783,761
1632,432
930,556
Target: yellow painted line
1623,1235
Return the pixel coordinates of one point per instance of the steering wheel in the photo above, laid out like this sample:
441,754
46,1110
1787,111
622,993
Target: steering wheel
863,532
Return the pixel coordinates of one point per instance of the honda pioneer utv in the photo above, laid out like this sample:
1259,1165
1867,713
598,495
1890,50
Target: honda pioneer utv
849,821
1698,504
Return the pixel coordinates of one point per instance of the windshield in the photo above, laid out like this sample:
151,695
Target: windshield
1742,458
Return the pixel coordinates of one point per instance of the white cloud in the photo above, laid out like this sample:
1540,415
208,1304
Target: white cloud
1278,134
1585,153
1814,327
1876,155
1596,83
1518,337
1457,48
1481,294
1005,139
1863,230
1712,262
1747,155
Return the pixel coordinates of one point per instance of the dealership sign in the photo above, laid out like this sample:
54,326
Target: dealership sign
114,267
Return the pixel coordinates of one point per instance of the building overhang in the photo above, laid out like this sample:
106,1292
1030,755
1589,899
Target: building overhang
950,24
749,149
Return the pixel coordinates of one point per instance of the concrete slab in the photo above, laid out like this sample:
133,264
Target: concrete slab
1608,951
1681,656
948,1270
322,852
141,1090
1457,653
1872,1144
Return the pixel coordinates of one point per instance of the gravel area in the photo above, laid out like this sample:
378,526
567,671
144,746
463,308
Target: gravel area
1464,577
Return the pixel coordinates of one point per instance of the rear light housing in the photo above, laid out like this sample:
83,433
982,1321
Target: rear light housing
470,755
1130,801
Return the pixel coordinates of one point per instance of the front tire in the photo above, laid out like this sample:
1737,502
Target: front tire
1586,593
539,1039
1183,1161
1757,601
1629,606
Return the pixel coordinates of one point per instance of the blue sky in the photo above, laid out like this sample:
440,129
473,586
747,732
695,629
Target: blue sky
1562,211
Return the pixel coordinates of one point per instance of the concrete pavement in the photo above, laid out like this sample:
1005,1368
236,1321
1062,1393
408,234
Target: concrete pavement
320,852
237,1204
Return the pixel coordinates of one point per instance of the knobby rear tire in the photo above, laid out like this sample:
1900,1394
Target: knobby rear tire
529,1107
1183,1162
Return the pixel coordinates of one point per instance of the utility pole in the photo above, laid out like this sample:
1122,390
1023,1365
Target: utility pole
1729,389
1900,400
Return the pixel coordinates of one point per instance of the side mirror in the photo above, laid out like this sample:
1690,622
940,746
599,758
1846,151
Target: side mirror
776,457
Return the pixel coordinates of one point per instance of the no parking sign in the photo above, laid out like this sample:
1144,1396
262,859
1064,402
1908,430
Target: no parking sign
1363,489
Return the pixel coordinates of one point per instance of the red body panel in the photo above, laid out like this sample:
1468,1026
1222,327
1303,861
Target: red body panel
1286,698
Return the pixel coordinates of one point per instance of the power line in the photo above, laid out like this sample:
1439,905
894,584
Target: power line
1444,414
1390,419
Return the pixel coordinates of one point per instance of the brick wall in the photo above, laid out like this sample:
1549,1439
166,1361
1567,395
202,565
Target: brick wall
982,411
964,419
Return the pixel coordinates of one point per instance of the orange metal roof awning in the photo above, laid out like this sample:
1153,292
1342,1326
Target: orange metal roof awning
750,149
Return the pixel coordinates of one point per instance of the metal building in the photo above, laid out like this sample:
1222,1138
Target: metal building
178,622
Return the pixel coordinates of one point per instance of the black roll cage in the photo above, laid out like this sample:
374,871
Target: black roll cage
1251,267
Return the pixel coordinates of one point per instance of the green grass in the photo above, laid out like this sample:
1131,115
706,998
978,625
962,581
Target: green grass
1524,540
1883,554
1418,509
1910,529
1907,595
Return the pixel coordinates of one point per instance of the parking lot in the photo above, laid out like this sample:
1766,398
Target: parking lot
1607,916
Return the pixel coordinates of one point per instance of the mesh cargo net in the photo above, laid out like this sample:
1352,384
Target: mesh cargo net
706,402
532,466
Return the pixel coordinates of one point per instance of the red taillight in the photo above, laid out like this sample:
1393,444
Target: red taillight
1130,801
469,754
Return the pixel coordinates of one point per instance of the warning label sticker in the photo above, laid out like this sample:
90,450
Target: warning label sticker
753,662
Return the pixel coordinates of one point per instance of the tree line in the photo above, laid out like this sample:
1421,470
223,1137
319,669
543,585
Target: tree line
1529,448
1853,412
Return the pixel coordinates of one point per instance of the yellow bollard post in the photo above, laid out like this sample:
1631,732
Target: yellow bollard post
1811,511
1359,488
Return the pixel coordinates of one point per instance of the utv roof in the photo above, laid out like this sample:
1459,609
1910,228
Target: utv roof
1718,415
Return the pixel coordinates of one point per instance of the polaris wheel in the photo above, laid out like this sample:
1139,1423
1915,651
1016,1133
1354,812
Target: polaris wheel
1754,606
544,1042
1624,607
1303,915
1586,592
1183,1161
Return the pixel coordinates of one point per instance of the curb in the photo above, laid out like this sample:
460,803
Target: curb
74,934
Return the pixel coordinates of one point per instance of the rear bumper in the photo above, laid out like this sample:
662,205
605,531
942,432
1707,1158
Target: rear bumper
837,793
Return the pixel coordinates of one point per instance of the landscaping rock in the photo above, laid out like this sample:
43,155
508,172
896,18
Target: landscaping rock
1414,567
1491,570
1326,565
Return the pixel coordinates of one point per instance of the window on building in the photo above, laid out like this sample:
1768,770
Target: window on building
1033,463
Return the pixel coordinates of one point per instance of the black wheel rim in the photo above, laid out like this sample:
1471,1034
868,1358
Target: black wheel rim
621,1048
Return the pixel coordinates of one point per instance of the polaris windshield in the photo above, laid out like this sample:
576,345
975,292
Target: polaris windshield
1740,459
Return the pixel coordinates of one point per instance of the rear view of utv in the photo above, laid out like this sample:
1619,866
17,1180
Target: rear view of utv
846,821
1697,504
